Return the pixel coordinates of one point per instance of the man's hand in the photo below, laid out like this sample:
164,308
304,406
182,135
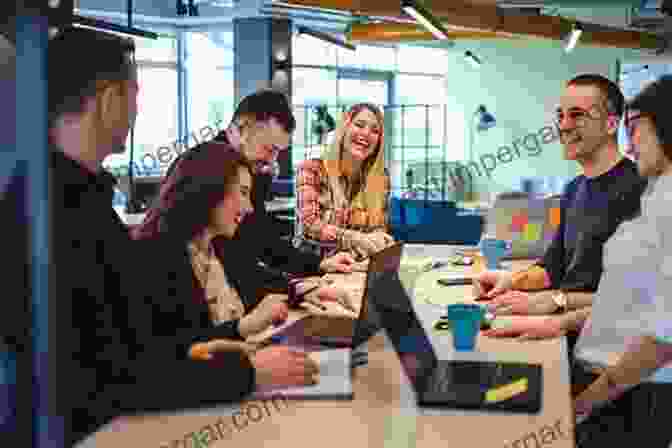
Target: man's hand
338,295
519,302
489,284
368,243
382,239
279,312
282,366
529,328
341,262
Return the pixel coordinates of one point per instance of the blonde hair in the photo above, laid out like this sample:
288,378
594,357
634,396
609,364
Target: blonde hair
371,195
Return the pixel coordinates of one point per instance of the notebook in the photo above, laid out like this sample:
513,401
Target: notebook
335,382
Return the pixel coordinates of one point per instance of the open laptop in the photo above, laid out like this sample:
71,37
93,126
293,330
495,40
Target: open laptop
343,332
512,387
528,222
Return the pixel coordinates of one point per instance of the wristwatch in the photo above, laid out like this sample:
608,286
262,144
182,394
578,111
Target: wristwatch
560,299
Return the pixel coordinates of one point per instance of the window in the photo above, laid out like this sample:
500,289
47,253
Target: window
368,56
163,49
423,121
353,90
414,59
307,50
418,129
210,84
156,125
312,87
418,133
157,122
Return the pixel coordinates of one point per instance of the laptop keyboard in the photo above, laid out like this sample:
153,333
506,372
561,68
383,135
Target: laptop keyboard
447,382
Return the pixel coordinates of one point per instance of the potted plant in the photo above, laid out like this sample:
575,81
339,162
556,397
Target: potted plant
324,124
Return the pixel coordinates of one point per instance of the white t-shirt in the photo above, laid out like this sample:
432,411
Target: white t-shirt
634,297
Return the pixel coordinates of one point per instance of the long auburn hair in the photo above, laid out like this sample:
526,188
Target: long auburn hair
198,182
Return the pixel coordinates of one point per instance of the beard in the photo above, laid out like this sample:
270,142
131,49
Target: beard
577,147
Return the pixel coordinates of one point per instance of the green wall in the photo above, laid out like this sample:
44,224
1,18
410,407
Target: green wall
520,82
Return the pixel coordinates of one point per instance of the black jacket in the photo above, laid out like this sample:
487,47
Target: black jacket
181,302
258,239
114,354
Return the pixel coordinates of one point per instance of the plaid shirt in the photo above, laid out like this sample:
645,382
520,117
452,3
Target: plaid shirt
320,217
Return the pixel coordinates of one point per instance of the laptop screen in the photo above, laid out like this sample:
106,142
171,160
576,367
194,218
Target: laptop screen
529,223
368,323
393,307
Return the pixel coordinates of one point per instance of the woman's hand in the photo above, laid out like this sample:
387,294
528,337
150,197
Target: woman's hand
262,317
340,262
279,312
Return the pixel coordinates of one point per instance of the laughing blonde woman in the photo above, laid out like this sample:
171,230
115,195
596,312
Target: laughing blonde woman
342,196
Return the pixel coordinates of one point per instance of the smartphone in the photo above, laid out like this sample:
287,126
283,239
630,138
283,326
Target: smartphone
455,281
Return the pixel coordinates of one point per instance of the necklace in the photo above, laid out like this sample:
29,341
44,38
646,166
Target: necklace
215,285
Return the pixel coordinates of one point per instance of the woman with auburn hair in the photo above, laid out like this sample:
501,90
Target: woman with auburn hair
342,196
206,308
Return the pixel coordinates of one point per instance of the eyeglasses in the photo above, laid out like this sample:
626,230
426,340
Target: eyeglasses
579,116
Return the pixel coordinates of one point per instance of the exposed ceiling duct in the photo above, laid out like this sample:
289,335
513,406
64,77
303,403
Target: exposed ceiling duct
651,17
497,17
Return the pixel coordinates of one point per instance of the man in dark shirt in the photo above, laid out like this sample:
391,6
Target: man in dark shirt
260,128
592,207
255,130
110,362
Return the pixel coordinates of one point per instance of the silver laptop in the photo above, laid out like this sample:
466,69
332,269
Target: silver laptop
528,222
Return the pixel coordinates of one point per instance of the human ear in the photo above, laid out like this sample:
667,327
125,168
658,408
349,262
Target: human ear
108,105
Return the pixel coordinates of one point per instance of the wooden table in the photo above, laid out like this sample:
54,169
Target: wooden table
383,413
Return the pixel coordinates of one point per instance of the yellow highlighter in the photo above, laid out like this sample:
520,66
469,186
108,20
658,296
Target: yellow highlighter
506,392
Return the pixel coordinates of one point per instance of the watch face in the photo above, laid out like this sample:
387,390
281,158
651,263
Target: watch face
560,300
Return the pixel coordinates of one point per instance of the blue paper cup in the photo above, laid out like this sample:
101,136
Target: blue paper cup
465,321
493,250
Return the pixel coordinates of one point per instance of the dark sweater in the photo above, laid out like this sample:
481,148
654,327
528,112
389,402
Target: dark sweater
258,238
591,209
114,353
182,303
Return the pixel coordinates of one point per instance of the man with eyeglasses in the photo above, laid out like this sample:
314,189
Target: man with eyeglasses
592,207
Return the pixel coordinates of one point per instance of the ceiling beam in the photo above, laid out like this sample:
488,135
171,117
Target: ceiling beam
487,18
394,32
